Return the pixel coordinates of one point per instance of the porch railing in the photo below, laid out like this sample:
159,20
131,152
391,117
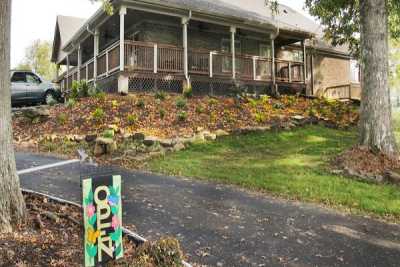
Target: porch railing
152,57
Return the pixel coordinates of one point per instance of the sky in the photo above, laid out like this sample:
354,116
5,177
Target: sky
36,19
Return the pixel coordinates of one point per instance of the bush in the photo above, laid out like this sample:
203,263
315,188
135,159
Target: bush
132,119
278,105
182,116
101,96
141,104
199,109
260,117
181,103
160,95
109,133
62,118
70,103
80,89
212,102
188,91
162,113
93,91
98,114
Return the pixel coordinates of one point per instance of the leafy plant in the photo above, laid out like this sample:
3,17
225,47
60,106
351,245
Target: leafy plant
188,91
161,95
182,116
199,109
181,103
278,105
110,133
62,118
260,117
98,114
132,119
75,90
162,113
265,99
70,103
141,104
101,96
93,91
253,102
212,102
80,89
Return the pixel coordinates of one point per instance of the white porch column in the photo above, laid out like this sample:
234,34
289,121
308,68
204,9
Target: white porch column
79,62
68,73
95,53
303,43
122,13
273,62
185,23
233,33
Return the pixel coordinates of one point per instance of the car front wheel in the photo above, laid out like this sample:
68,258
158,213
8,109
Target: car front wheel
49,98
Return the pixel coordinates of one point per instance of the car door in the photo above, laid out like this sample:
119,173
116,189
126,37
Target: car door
18,87
34,90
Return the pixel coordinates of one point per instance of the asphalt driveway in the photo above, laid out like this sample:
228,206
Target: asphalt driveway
220,225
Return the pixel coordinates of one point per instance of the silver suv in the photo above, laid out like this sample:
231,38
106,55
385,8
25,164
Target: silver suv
28,88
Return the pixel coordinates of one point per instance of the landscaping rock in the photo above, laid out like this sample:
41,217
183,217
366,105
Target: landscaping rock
167,142
220,133
199,138
150,141
199,129
139,137
79,138
298,118
127,136
393,177
36,113
104,146
90,138
178,147
209,136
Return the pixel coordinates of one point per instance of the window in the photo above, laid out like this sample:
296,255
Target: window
265,51
18,77
227,61
297,55
32,78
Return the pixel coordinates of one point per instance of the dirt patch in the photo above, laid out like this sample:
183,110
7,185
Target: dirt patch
53,236
367,165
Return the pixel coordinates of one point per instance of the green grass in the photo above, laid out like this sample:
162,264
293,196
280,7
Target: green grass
290,164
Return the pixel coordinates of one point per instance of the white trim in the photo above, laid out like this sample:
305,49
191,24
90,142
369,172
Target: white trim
155,63
122,13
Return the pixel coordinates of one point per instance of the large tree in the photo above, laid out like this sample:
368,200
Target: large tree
38,58
364,25
12,205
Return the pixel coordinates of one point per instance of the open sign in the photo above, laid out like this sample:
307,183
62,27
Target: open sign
102,219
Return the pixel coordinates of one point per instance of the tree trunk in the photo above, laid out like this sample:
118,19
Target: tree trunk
12,205
376,131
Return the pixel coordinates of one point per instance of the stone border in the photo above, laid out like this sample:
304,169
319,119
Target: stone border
130,234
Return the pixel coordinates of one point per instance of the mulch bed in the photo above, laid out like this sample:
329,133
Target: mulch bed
367,165
52,236
145,113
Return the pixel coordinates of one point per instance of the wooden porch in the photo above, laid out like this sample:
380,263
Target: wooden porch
161,59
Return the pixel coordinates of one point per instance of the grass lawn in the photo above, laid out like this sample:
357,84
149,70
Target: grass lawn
291,164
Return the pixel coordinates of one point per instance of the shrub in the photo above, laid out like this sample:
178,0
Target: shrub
93,91
98,114
162,113
278,105
101,96
80,89
160,95
62,118
52,102
199,109
265,99
253,102
141,103
109,133
132,119
260,117
182,116
212,102
70,103
187,91
115,104
181,103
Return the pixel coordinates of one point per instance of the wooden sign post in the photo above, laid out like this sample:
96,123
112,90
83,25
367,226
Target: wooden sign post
102,219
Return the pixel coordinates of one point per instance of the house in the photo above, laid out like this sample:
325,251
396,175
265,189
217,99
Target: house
213,45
